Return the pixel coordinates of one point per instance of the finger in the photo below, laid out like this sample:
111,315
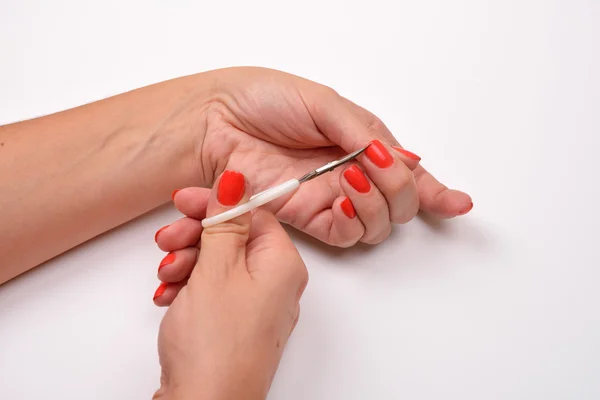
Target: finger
347,228
437,199
166,293
410,159
379,130
370,205
270,246
192,201
182,233
340,122
393,179
224,245
344,228
434,197
178,265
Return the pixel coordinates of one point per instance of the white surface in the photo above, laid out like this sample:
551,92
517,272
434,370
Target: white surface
501,99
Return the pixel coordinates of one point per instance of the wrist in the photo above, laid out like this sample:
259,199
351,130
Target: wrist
183,106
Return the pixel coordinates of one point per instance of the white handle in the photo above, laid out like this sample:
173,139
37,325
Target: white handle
255,201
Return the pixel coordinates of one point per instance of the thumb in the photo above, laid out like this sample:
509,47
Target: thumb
350,126
223,246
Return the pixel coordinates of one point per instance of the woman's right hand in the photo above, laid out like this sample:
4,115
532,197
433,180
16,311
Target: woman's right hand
225,330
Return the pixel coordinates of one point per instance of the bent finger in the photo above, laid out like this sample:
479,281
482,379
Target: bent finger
177,265
393,179
166,293
370,204
192,201
185,232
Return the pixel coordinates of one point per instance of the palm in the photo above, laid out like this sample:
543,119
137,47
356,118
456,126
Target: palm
276,140
264,126
272,126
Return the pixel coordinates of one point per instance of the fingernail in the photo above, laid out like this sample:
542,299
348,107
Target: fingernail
174,193
231,188
169,258
407,153
357,179
159,292
379,155
159,231
466,210
348,208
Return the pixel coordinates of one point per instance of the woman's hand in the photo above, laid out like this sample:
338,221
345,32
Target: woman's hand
225,331
72,175
274,126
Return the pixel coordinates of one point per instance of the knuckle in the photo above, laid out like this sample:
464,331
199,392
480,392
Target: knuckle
379,236
373,208
374,124
407,214
227,229
346,237
402,182
304,278
349,240
300,273
329,91
406,207
344,244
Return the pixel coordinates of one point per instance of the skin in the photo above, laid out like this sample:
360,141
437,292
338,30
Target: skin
224,334
70,176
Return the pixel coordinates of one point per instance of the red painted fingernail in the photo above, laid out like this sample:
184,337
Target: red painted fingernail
159,231
231,188
174,193
466,210
348,208
357,179
159,292
407,153
379,155
169,258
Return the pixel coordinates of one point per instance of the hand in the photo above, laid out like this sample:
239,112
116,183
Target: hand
225,331
275,126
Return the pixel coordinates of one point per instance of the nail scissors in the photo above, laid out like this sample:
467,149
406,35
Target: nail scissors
277,191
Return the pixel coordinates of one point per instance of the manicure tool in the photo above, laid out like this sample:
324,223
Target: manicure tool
277,191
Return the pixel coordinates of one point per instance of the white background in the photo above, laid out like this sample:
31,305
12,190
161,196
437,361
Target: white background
500,98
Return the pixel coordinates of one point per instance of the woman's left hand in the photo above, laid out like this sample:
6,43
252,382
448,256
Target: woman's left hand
274,126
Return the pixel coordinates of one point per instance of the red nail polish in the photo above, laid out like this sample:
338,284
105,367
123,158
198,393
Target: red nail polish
379,155
357,179
407,153
169,258
466,210
348,208
231,188
174,193
159,292
159,231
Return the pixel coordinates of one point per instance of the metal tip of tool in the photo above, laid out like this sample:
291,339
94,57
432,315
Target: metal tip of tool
331,165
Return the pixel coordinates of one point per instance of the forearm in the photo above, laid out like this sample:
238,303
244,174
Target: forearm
70,176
